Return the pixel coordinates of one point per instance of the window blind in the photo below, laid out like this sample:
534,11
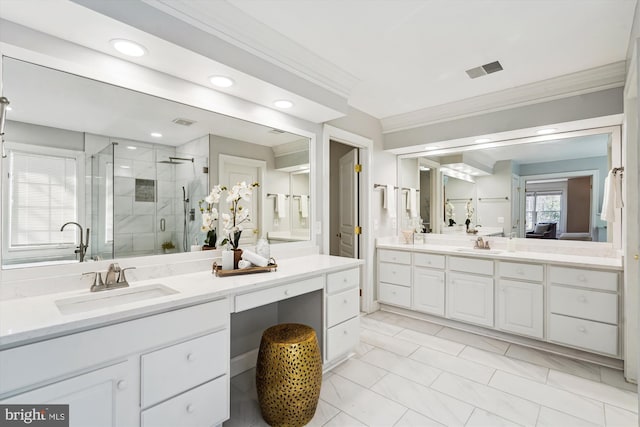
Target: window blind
43,196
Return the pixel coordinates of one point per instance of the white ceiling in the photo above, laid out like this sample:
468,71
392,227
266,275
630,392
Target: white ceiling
412,54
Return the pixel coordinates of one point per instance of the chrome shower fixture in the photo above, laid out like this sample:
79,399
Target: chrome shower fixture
176,160
4,103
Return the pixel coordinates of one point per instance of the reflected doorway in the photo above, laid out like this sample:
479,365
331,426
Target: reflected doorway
344,200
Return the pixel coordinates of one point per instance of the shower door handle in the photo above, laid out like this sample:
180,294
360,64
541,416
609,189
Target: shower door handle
163,224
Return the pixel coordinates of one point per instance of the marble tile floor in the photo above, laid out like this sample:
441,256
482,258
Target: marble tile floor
409,372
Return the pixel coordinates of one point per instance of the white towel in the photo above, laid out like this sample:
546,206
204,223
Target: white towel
281,205
389,200
412,206
612,198
304,206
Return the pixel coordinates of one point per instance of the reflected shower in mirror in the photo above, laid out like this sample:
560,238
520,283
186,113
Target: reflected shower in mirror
128,166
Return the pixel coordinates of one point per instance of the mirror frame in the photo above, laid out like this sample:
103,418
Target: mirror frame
615,132
78,60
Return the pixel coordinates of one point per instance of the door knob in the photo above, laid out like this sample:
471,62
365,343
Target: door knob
339,235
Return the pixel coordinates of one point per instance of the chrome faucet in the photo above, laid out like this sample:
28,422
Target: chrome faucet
114,278
82,247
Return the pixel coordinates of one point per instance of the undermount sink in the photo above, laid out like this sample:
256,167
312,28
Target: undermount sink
112,298
479,251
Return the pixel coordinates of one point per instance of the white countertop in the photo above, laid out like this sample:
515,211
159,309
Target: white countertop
610,263
27,320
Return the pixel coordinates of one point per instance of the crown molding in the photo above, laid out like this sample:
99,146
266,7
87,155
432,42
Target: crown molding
586,81
245,32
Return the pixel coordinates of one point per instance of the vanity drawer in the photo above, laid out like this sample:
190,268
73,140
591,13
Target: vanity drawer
277,293
343,338
394,273
342,280
428,260
584,333
342,306
471,265
592,305
396,295
174,369
399,257
605,280
203,406
516,270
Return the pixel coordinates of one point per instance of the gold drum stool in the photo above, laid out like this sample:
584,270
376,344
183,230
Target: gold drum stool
288,374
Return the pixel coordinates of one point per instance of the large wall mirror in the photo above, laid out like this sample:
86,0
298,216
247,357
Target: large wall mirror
132,168
551,189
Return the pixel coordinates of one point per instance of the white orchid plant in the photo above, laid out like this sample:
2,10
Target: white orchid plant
209,216
232,221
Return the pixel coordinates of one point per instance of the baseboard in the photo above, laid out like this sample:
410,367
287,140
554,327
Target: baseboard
243,362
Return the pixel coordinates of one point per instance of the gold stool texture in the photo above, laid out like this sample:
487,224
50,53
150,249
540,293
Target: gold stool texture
288,374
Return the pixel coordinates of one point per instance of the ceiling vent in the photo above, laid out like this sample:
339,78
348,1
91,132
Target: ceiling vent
483,70
183,122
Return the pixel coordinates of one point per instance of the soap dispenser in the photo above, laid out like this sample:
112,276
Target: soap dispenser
511,243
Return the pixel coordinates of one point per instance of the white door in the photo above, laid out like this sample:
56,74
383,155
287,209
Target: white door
234,170
520,307
348,206
470,298
103,398
428,291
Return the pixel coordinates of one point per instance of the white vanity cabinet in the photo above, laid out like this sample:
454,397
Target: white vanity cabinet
428,283
100,398
169,365
583,309
394,274
520,303
342,308
470,294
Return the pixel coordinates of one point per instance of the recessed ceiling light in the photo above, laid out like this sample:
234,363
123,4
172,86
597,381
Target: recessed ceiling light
9,108
131,147
125,167
546,131
221,81
283,103
156,134
127,47
481,140
432,147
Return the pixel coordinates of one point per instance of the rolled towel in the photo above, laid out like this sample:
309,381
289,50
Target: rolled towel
254,258
244,264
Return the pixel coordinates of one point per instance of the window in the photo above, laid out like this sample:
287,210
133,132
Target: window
543,206
41,192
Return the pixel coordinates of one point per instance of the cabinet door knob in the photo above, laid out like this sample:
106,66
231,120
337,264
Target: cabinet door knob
122,385
286,292
520,271
582,329
345,280
581,278
190,408
191,357
582,298
345,332
346,301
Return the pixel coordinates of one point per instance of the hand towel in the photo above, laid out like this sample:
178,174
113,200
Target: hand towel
281,205
612,198
412,206
389,200
304,206
254,258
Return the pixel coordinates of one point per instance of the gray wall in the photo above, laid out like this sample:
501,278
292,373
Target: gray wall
590,105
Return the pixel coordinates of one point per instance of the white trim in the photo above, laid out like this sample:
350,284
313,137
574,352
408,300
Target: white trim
247,33
586,81
366,185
